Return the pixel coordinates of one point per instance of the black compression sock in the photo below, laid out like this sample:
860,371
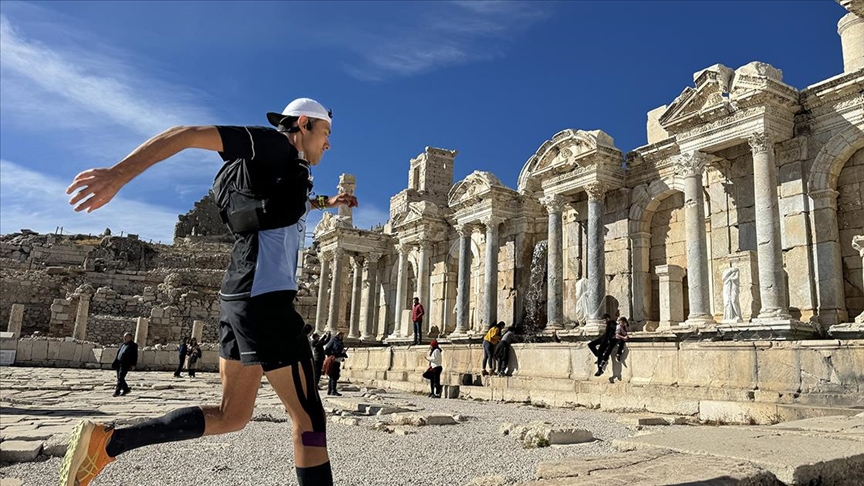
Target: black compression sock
315,476
182,424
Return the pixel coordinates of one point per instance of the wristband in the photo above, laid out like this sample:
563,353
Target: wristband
322,202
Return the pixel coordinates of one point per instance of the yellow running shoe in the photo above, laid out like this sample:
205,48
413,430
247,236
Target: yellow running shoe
86,455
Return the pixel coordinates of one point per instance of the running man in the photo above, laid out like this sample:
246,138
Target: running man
260,332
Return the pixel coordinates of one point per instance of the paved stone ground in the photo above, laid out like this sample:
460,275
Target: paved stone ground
39,403
38,406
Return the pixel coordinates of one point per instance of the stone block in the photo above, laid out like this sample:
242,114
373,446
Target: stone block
651,466
793,457
66,351
795,231
19,450
54,350
40,351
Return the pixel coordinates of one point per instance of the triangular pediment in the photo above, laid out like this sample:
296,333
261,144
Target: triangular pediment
693,105
475,184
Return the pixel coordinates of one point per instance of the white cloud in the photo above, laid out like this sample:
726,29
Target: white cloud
460,33
97,86
39,202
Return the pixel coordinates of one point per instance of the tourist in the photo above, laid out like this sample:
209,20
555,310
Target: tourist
260,331
194,356
602,346
318,344
127,358
336,345
331,368
435,368
621,336
493,335
181,350
417,313
502,351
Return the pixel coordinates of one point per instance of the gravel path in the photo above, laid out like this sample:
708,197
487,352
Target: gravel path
261,454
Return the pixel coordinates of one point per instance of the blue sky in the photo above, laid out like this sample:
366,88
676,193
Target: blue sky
83,83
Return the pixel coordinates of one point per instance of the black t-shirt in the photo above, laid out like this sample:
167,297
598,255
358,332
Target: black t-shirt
271,160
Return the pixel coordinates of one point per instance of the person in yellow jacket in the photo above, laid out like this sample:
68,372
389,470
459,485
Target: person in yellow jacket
493,335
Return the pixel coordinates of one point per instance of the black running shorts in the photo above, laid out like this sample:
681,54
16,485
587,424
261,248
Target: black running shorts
263,330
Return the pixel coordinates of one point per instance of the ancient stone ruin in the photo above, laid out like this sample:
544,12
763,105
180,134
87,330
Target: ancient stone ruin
733,241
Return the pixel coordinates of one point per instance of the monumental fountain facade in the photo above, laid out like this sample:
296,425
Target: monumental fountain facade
742,216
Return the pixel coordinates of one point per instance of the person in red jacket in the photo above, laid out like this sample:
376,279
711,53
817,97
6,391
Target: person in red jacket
417,313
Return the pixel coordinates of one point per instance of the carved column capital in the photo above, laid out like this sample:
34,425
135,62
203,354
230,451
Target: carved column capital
464,230
691,163
492,221
596,191
403,249
761,142
325,256
425,245
357,261
338,253
553,203
371,258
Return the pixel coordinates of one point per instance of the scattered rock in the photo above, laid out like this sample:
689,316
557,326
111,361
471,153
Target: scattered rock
20,450
544,434
56,446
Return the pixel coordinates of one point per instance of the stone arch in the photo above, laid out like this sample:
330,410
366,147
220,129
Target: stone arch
832,157
822,184
646,198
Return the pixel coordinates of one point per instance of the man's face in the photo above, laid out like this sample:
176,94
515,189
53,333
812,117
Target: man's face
127,338
416,301
317,141
340,335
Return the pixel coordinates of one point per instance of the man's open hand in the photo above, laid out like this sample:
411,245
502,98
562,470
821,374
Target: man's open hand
101,184
342,200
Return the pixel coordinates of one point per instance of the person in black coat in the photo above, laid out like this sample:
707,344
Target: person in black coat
181,350
127,358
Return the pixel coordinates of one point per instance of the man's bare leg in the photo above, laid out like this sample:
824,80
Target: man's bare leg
94,446
239,390
293,384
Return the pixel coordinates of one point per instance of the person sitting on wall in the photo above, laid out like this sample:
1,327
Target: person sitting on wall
602,346
490,340
502,352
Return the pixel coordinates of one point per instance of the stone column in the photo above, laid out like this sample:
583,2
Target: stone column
336,291
423,275
829,259
370,272
596,256
80,330
490,275
323,288
401,283
691,166
671,296
640,244
198,330
772,282
858,244
16,320
356,296
851,31
464,277
142,328
555,262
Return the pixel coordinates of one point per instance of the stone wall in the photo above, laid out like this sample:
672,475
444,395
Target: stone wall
734,382
108,329
202,220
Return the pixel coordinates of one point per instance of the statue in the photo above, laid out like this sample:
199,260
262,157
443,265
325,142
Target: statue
731,304
582,300
858,244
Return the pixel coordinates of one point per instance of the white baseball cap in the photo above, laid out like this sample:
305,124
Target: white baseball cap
302,106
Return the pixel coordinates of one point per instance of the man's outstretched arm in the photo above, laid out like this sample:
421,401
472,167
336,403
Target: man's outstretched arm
96,187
